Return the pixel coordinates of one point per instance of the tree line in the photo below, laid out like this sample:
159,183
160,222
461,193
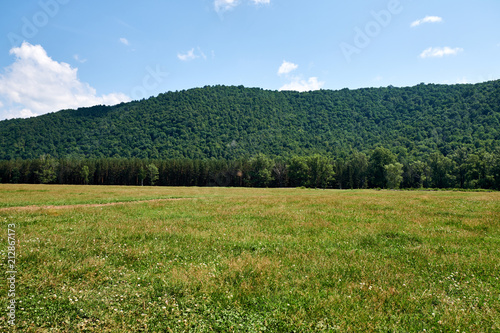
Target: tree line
380,168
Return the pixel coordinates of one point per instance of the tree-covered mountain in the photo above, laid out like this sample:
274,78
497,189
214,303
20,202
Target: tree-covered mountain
234,122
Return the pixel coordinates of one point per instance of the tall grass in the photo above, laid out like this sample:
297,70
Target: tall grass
254,260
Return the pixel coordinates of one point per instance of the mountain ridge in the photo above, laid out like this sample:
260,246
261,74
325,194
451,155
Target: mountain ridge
233,121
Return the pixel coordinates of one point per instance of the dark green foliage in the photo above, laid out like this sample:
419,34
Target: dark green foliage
356,169
416,175
394,175
46,172
141,175
442,171
495,170
320,171
234,122
379,159
260,171
425,136
298,171
315,171
153,173
85,174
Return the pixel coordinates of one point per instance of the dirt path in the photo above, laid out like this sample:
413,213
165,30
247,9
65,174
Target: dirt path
86,205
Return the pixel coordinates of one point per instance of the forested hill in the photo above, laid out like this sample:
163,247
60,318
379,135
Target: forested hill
232,122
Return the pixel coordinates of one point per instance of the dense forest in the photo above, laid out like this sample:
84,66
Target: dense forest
380,169
235,122
427,136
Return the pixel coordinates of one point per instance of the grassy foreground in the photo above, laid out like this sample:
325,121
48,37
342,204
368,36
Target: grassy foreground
251,260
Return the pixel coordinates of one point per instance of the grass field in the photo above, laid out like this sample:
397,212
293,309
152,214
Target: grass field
250,260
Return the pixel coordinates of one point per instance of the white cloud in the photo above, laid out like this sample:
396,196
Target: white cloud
187,56
35,84
287,67
124,41
191,55
203,55
427,19
26,113
302,85
439,52
77,58
223,5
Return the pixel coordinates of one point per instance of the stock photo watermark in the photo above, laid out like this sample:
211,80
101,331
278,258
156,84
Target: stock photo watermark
372,29
31,25
151,81
11,274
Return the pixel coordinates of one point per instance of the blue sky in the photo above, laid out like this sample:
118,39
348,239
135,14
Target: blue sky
57,54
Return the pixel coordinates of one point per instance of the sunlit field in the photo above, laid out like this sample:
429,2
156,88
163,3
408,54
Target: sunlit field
153,259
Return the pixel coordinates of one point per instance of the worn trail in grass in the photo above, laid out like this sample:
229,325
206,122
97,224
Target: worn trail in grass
35,207
252,260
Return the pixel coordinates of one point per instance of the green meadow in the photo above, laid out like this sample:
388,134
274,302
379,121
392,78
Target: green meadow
163,259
